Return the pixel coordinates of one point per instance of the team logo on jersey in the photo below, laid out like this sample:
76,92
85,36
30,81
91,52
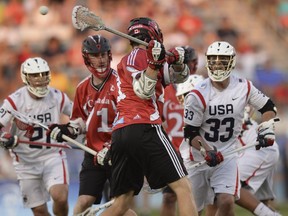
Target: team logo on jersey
112,88
221,109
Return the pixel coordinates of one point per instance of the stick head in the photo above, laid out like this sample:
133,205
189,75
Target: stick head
82,18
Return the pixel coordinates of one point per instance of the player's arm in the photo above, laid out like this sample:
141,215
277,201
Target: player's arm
266,130
144,83
72,129
177,70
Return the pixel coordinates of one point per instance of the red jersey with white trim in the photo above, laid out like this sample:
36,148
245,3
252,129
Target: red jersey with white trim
173,114
101,118
130,108
46,110
219,114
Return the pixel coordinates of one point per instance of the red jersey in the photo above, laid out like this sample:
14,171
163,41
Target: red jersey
130,108
100,104
173,113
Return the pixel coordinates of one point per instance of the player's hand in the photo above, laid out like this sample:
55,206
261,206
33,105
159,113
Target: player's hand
8,141
56,131
103,157
155,55
177,57
213,157
266,135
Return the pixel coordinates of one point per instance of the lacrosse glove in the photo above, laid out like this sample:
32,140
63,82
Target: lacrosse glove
266,135
8,141
103,157
155,55
177,57
56,131
213,157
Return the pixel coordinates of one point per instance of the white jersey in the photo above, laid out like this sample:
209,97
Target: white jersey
46,110
257,167
219,114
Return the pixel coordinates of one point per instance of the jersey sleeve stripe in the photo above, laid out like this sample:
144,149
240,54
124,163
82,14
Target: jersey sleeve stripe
201,97
249,88
62,102
12,103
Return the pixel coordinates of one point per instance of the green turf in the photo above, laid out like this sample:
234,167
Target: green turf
281,207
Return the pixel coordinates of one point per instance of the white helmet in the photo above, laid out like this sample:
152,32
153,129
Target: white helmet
188,85
35,73
220,60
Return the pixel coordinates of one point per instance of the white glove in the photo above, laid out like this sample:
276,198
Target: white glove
103,157
266,134
8,141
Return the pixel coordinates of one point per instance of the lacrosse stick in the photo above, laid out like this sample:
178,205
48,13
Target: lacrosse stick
33,121
235,150
82,19
44,144
91,211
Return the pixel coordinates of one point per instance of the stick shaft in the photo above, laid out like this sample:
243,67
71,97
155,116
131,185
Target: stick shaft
24,118
44,144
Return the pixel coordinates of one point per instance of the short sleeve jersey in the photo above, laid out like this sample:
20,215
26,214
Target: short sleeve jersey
219,114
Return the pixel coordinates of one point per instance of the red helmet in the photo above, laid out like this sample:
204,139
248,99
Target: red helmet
145,29
95,45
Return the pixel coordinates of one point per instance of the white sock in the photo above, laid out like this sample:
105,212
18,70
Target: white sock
263,210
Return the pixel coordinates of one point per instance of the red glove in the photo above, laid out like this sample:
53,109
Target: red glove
155,55
177,57
213,157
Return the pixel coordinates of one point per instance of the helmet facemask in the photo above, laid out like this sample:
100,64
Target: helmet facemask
220,60
38,83
35,73
219,67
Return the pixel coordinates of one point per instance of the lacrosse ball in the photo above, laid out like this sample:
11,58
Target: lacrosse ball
43,10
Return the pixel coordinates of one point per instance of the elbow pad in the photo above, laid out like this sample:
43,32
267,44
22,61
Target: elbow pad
269,106
179,76
144,87
190,132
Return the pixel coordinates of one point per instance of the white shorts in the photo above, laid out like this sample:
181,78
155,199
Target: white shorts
257,170
36,179
208,181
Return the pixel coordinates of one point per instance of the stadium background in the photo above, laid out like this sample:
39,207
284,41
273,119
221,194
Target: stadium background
258,29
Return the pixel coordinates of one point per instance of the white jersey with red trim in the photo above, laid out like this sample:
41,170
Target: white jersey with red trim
46,110
219,114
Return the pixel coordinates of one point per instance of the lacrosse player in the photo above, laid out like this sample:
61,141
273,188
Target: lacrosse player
213,114
257,168
140,147
94,110
41,171
173,115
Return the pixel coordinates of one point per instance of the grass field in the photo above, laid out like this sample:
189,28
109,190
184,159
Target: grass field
281,207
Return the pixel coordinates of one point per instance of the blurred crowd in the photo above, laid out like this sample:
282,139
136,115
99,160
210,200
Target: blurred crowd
24,33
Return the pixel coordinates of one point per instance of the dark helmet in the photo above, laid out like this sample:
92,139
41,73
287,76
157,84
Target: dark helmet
96,44
145,29
191,58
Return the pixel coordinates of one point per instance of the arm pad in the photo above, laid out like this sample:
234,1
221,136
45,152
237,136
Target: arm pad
179,76
269,106
191,132
144,87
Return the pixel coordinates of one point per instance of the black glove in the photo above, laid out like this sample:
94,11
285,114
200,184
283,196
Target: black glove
213,157
155,55
8,141
57,130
